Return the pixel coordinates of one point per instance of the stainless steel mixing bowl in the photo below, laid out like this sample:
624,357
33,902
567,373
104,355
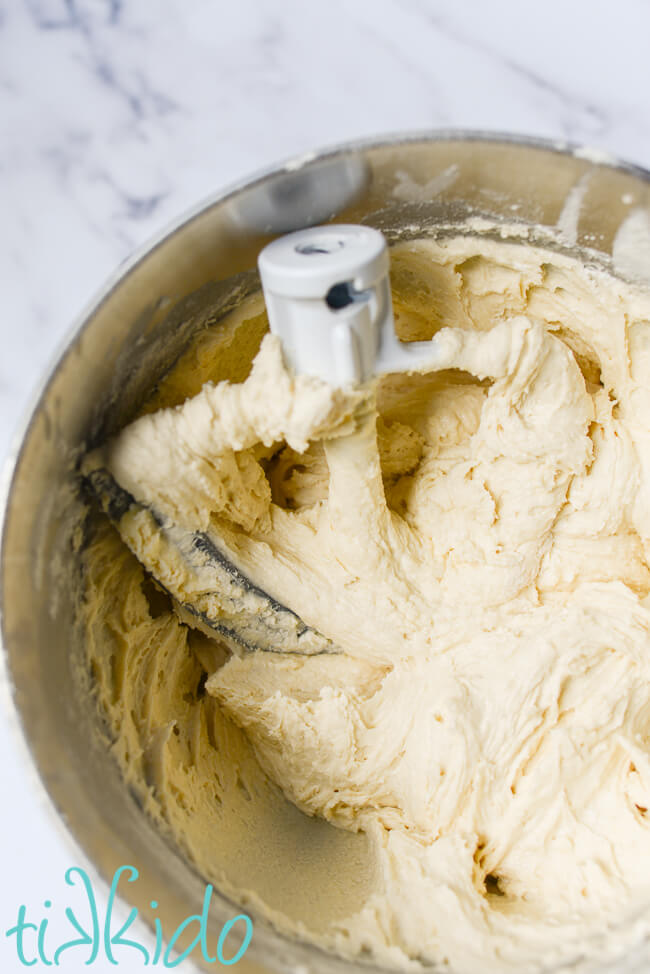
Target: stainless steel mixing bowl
204,265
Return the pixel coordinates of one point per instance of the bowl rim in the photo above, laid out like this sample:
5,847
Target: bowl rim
9,707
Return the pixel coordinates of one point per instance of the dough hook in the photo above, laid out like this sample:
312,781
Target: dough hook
328,299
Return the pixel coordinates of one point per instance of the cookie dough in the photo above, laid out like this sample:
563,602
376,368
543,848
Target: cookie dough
475,543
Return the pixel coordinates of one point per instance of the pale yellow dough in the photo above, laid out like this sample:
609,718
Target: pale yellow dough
480,554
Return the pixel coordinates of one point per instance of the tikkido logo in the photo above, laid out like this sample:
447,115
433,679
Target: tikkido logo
95,938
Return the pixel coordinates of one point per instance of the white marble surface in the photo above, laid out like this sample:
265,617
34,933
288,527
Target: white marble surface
115,115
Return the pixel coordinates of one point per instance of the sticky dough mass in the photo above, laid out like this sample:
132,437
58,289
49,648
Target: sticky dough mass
475,544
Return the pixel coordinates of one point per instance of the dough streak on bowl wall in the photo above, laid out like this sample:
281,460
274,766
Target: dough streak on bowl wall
476,543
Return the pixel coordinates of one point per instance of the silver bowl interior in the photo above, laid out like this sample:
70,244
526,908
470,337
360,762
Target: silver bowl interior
187,279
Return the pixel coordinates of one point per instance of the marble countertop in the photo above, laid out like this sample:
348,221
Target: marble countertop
116,115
